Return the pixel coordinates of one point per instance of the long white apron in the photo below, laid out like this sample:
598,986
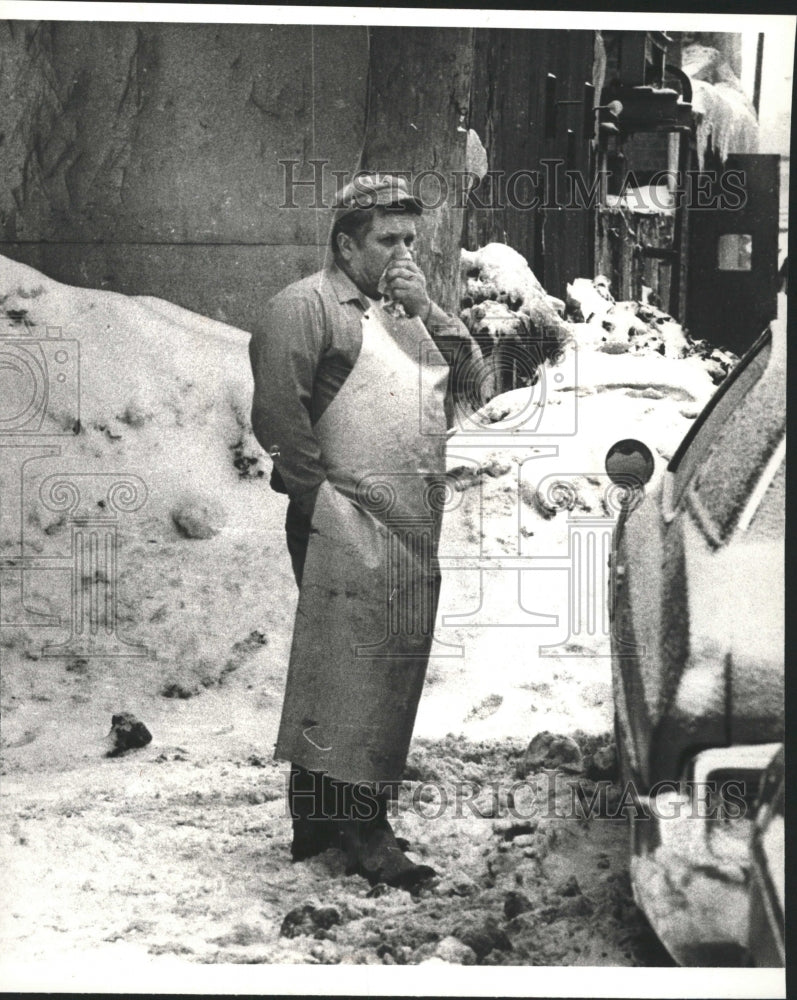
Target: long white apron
365,618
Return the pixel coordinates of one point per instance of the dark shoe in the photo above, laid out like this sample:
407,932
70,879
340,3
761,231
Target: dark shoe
313,836
373,852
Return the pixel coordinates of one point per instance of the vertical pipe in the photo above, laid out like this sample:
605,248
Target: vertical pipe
759,63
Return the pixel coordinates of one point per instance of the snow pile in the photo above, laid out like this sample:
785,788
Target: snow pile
725,115
601,324
503,300
505,306
164,395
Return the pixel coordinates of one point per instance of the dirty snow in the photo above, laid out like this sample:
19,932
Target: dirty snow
179,852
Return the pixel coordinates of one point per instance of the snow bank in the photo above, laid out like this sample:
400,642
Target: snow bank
502,299
164,395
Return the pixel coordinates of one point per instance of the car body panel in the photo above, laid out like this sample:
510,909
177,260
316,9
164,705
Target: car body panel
767,870
697,611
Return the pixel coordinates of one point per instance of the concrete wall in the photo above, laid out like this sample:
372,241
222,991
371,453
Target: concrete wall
144,158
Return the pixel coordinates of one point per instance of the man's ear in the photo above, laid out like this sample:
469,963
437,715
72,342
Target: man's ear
345,246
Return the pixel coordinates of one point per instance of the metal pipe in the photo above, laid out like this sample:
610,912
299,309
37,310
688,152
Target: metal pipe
759,62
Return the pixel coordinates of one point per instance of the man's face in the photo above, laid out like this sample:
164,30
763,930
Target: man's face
391,237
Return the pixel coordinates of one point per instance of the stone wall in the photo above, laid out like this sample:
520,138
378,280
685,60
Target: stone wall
144,158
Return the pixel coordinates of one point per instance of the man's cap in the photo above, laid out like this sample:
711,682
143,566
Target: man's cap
369,190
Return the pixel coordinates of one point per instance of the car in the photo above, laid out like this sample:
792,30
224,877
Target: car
697,623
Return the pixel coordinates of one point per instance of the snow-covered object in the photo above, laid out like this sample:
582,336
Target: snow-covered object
725,115
497,273
491,321
475,155
199,516
588,299
637,328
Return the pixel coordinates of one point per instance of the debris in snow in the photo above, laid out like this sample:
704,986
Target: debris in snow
464,477
309,919
483,938
452,950
298,921
127,733
569,886
576,906
551,751
247,458
516,903
241,936
602,765
199,516
487,706
136,413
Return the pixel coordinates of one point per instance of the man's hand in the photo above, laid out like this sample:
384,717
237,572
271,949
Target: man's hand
406,283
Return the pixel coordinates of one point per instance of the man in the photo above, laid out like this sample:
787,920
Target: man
353,402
